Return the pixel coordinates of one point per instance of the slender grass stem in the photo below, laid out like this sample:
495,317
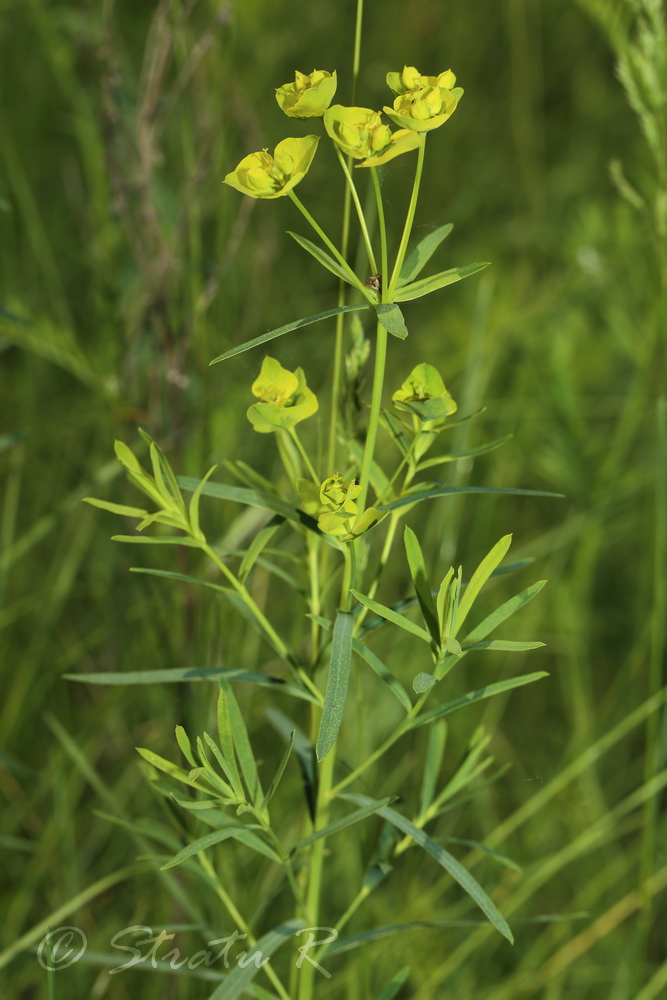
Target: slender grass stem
409,219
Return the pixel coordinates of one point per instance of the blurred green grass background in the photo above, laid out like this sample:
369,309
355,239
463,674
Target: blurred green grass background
126,266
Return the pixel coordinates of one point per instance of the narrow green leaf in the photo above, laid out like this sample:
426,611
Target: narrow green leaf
419,578
392,616
460,874
190,543
323,258
193,511
304,751
435,750
240,978
345,821
228,769
205,842
479,695
420,255
436,281
227,744
116,508
281,770
488,564
173,770
393,988
502,645
241,743
232,792
297,324
183,741
471,453
502,613
500,858
337,682
255,498
391,318
181,577
182,675
258,544
444,491
374,663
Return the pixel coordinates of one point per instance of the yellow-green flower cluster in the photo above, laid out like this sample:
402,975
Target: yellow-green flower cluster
423,102
285,399
261,175
334,504
309,96
361,133
424,394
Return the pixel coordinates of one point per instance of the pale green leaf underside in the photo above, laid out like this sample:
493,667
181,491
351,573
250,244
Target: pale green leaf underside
337,682
391,318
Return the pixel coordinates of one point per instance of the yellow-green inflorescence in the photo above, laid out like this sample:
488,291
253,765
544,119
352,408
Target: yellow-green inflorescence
424,394
423,102
334,504
261,175
285,399
309,96
361,133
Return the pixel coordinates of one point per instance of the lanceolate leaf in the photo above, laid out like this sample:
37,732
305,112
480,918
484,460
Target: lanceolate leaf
502,645
490,562
375,664
427,285
448,862
184,675
394,987
298,324
255,498
502,613
209,840
391,318
325,259
420,580
345,821
337,682
392,616
443,491
419,257
241,742
479,695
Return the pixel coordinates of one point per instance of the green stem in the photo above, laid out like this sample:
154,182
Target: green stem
409,219
383,227
302,451
374,418
354,280
357,204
